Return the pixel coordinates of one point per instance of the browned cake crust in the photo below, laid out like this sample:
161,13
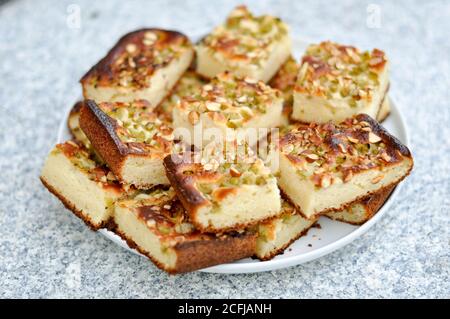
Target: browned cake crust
371,205
393,144
395,149
191,198
101,131
196,255
70,206
104,71
183,184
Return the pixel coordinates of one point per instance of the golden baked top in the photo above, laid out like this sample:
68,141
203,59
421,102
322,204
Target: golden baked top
139,127
188,84
325,153
137,55
230,100
245,37
212,177
333,71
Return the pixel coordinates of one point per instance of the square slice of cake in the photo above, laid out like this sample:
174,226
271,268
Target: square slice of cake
73,123
156,224
336,82
145,64
85,187
276,234
224,195
284,81
188,85
246,45
325,167
131,139
362,211
225,104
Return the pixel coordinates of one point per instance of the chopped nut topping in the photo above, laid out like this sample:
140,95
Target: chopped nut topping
193,117
143,53
323,150
234,172
245,38
140,127
373,138
238,101
334,71
377,179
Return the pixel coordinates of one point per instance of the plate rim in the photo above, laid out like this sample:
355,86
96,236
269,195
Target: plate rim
274,264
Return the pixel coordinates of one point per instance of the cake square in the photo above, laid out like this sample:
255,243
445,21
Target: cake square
228,103
131,138
337,81
245,45
85,187
144,64
362,211
156,224
284,81
278,233
224,195
326,167
188,85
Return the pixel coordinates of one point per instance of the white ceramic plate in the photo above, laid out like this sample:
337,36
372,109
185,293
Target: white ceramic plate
319,241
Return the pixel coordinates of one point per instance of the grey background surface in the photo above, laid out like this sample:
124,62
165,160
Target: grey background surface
47,252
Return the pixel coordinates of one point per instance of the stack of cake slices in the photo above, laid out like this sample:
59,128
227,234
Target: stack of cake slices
187,203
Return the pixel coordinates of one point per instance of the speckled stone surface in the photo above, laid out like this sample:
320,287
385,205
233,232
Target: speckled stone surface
46,252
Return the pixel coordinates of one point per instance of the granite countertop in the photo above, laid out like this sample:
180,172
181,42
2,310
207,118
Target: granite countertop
47,252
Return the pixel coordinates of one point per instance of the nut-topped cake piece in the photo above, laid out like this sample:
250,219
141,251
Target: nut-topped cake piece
144,64
276,234
326,167
221,195
284,81
189,84
131,138
84,186
247,45
229,102
336,82
156,224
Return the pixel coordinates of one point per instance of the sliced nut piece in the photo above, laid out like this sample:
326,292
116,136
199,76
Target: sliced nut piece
151,223
373,138
377,179
353,140
212,106
385,156
312,156
131,48
325,181
208,166
234,172
348,175
193,117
